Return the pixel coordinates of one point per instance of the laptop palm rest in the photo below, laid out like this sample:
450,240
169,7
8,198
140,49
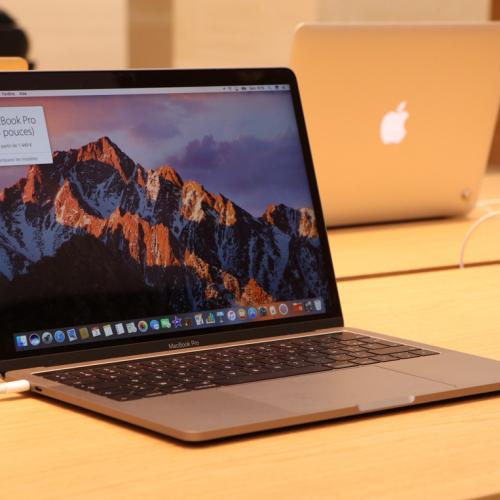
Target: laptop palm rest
367,388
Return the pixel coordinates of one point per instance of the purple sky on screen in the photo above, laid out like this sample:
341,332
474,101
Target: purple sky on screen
243,145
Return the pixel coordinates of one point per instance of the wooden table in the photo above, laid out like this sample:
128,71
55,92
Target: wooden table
415,246
449,450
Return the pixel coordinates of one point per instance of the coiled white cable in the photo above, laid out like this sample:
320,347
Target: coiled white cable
486,203
473,228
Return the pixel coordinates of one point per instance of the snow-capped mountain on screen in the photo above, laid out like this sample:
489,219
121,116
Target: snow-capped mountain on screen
95,218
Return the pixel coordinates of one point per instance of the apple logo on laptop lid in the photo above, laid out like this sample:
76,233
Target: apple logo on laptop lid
392,126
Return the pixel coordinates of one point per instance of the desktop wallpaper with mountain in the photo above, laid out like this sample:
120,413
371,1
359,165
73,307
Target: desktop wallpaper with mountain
157,204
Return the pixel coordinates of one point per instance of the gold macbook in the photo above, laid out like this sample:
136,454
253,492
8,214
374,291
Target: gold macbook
400,116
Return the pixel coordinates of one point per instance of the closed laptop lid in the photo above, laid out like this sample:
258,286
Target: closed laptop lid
400,116
154,210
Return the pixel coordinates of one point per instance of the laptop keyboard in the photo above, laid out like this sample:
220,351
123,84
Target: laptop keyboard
172,374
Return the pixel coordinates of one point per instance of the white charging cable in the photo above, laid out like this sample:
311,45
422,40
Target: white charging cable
472,229
485,204
14,386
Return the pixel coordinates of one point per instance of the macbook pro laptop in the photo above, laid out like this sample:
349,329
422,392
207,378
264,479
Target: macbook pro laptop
164,259
400,116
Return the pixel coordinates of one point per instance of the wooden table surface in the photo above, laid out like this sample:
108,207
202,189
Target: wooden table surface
414,246
448,450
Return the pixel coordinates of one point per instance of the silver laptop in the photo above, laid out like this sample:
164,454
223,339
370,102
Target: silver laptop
400,116
164,259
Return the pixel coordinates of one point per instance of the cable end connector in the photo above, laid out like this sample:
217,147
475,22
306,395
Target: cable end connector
14,386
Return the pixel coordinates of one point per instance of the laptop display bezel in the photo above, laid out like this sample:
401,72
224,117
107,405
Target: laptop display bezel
63,80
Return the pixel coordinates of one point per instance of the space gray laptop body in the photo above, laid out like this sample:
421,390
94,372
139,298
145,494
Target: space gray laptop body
164,261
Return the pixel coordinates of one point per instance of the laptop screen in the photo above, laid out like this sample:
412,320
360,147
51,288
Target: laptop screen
153,212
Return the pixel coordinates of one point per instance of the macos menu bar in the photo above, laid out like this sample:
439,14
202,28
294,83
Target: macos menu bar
156,90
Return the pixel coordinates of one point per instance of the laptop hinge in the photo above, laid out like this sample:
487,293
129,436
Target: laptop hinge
166,344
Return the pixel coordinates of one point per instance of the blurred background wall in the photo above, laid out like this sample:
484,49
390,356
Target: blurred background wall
146,33
85,34
73,33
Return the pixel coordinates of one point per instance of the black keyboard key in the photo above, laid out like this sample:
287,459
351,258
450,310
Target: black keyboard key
340,364
276,367
423,352
111,392
333,351
363,361
267,376
405,355
166,383
137,387
296,357
255,369
179,388
229,374
372,345
383,357
391,350
318,353
275,360
342,357
308,349
353,349
105,371
350,343
105,384
385,342
329,345
62,378
298,363
364,354
320,360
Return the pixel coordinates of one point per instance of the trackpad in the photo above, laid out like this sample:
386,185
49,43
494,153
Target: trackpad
337,389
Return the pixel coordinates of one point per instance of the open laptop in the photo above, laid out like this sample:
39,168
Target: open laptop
164,259
400,116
